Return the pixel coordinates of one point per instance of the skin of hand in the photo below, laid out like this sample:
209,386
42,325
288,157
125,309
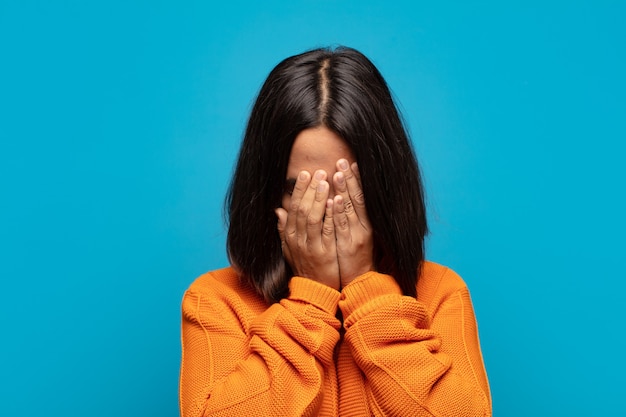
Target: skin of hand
355,243
307,230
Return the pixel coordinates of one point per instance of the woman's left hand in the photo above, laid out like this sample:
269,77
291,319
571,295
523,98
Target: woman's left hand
355,243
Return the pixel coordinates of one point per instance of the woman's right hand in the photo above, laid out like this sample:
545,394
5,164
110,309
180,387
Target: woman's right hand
307,231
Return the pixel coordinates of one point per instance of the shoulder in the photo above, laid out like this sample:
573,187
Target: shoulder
437,283
221,289
217,280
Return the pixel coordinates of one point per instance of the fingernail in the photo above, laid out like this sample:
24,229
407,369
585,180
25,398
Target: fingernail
302,175
343,164
321,187
319,175
340,177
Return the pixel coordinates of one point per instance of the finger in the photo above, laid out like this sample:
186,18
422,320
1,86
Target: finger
355,171
347,208
328,228
306,204
340,220
299,189
316,215
354,190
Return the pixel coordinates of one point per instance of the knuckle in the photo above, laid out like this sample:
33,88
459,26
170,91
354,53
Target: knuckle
312,220
359,198
302,210
342,223
294,205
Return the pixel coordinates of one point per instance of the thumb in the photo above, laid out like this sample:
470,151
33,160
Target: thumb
282,221
281,213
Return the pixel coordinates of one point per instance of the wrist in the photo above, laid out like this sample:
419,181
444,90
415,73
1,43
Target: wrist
313,292
369,288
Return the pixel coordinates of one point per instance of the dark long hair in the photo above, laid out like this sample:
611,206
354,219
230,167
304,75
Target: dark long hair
343,91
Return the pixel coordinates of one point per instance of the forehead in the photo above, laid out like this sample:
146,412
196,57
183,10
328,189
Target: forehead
317,148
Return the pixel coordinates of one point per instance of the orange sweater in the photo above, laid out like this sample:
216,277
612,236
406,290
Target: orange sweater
399,356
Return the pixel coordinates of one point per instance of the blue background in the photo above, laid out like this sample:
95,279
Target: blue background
120,123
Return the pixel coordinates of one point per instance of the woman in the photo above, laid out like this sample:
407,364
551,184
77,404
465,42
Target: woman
329,308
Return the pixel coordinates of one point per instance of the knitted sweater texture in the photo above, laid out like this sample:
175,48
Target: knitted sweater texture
393,355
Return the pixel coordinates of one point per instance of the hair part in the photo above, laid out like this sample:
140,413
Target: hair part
342,90
323,91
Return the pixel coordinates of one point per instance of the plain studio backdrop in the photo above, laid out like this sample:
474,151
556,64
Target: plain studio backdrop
120,123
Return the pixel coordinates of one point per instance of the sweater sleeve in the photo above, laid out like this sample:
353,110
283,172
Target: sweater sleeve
273,365
414,364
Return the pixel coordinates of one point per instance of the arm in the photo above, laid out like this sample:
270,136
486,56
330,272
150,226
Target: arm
277,363
413,365
274,365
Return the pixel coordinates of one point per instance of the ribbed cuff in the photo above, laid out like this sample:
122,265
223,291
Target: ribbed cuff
312,292
367,288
